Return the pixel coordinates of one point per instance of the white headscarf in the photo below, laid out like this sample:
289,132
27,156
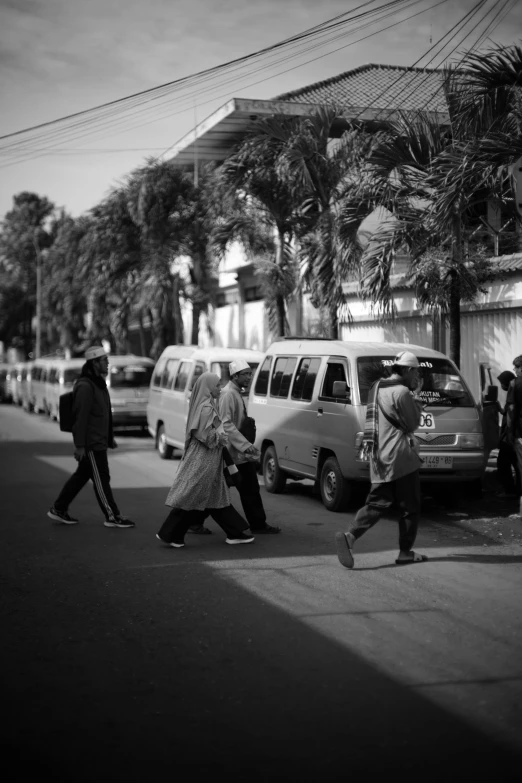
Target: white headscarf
202,412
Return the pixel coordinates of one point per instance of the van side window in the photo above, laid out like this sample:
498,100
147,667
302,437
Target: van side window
282,376
169,371
305,379
182,376
261,386
52,375
199,369
156,379
335,371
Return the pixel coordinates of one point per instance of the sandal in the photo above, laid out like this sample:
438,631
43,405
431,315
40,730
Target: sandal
415,558
200,531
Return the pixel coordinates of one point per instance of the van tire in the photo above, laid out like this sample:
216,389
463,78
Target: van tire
275,478
164,449
335,490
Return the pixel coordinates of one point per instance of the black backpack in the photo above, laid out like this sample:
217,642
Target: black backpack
65,406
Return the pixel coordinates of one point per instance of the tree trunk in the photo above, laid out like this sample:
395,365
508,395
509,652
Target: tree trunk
196,312
176,311
280,315
454,303
333,326
141,332
279,299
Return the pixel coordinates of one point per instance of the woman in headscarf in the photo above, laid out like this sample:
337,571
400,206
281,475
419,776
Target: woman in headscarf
199,487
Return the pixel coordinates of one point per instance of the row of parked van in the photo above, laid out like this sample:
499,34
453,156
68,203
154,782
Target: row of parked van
38,385
308,398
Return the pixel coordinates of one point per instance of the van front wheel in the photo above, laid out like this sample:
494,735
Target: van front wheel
164,449
335,489
275,479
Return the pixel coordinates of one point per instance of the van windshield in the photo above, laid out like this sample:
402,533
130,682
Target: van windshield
442,385
70,375
130,376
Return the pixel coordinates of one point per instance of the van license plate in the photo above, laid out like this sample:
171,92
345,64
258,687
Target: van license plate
434,461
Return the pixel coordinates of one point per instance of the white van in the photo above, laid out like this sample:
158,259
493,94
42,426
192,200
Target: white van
174,376
60,379
128,384
309,402
39,386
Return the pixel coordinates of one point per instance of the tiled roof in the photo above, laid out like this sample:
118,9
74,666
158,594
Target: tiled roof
379,86
510,263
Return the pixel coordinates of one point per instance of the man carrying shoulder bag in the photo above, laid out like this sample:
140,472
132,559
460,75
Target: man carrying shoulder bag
240,429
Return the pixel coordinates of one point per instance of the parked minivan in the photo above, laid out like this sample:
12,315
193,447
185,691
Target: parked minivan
60,379
128,384
309,398
172,380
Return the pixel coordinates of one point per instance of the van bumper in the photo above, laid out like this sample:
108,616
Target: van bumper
125,418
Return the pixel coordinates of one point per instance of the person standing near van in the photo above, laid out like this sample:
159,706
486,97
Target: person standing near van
514,415
507,458
392,415
232,411
93,436
199,488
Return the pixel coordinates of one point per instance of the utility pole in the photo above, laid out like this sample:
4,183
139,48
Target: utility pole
38,347
196,180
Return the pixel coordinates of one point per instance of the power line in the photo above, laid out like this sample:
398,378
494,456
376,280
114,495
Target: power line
408,4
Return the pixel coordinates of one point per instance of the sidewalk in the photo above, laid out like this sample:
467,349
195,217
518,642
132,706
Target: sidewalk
489,515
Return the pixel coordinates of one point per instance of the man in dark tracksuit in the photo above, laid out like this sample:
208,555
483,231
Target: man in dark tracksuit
92,434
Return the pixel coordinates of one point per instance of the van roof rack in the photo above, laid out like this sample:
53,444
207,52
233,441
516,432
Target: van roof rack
299,337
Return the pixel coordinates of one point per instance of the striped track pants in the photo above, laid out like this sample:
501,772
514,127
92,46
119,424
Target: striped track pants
94,466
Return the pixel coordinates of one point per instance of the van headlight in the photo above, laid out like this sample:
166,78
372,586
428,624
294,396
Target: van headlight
471,440
358,440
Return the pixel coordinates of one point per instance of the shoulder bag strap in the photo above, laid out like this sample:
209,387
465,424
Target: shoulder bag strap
391,420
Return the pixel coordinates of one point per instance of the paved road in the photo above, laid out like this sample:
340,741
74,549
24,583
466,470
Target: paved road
124,659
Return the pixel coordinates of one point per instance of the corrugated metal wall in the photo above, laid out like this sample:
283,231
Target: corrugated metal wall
404,330
494,337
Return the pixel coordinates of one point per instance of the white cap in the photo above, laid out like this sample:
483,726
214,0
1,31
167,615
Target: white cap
95,352
237,365
406,359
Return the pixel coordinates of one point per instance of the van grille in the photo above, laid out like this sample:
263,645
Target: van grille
437,440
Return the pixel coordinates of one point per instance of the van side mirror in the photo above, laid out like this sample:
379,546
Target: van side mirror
341,391
491,394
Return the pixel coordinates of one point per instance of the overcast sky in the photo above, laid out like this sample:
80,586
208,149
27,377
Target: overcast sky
62,56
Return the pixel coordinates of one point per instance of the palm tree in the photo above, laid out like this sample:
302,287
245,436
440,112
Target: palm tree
64,294
262,211
410,170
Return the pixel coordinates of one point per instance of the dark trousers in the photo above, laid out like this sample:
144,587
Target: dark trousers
251,496
94,466
506,462
179,520
403,493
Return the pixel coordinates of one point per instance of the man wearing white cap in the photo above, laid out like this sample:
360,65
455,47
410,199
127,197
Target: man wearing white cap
92,435
392,415
233,413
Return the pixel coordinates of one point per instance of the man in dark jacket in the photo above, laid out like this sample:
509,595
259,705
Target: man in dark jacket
507,459
92,435
514,414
